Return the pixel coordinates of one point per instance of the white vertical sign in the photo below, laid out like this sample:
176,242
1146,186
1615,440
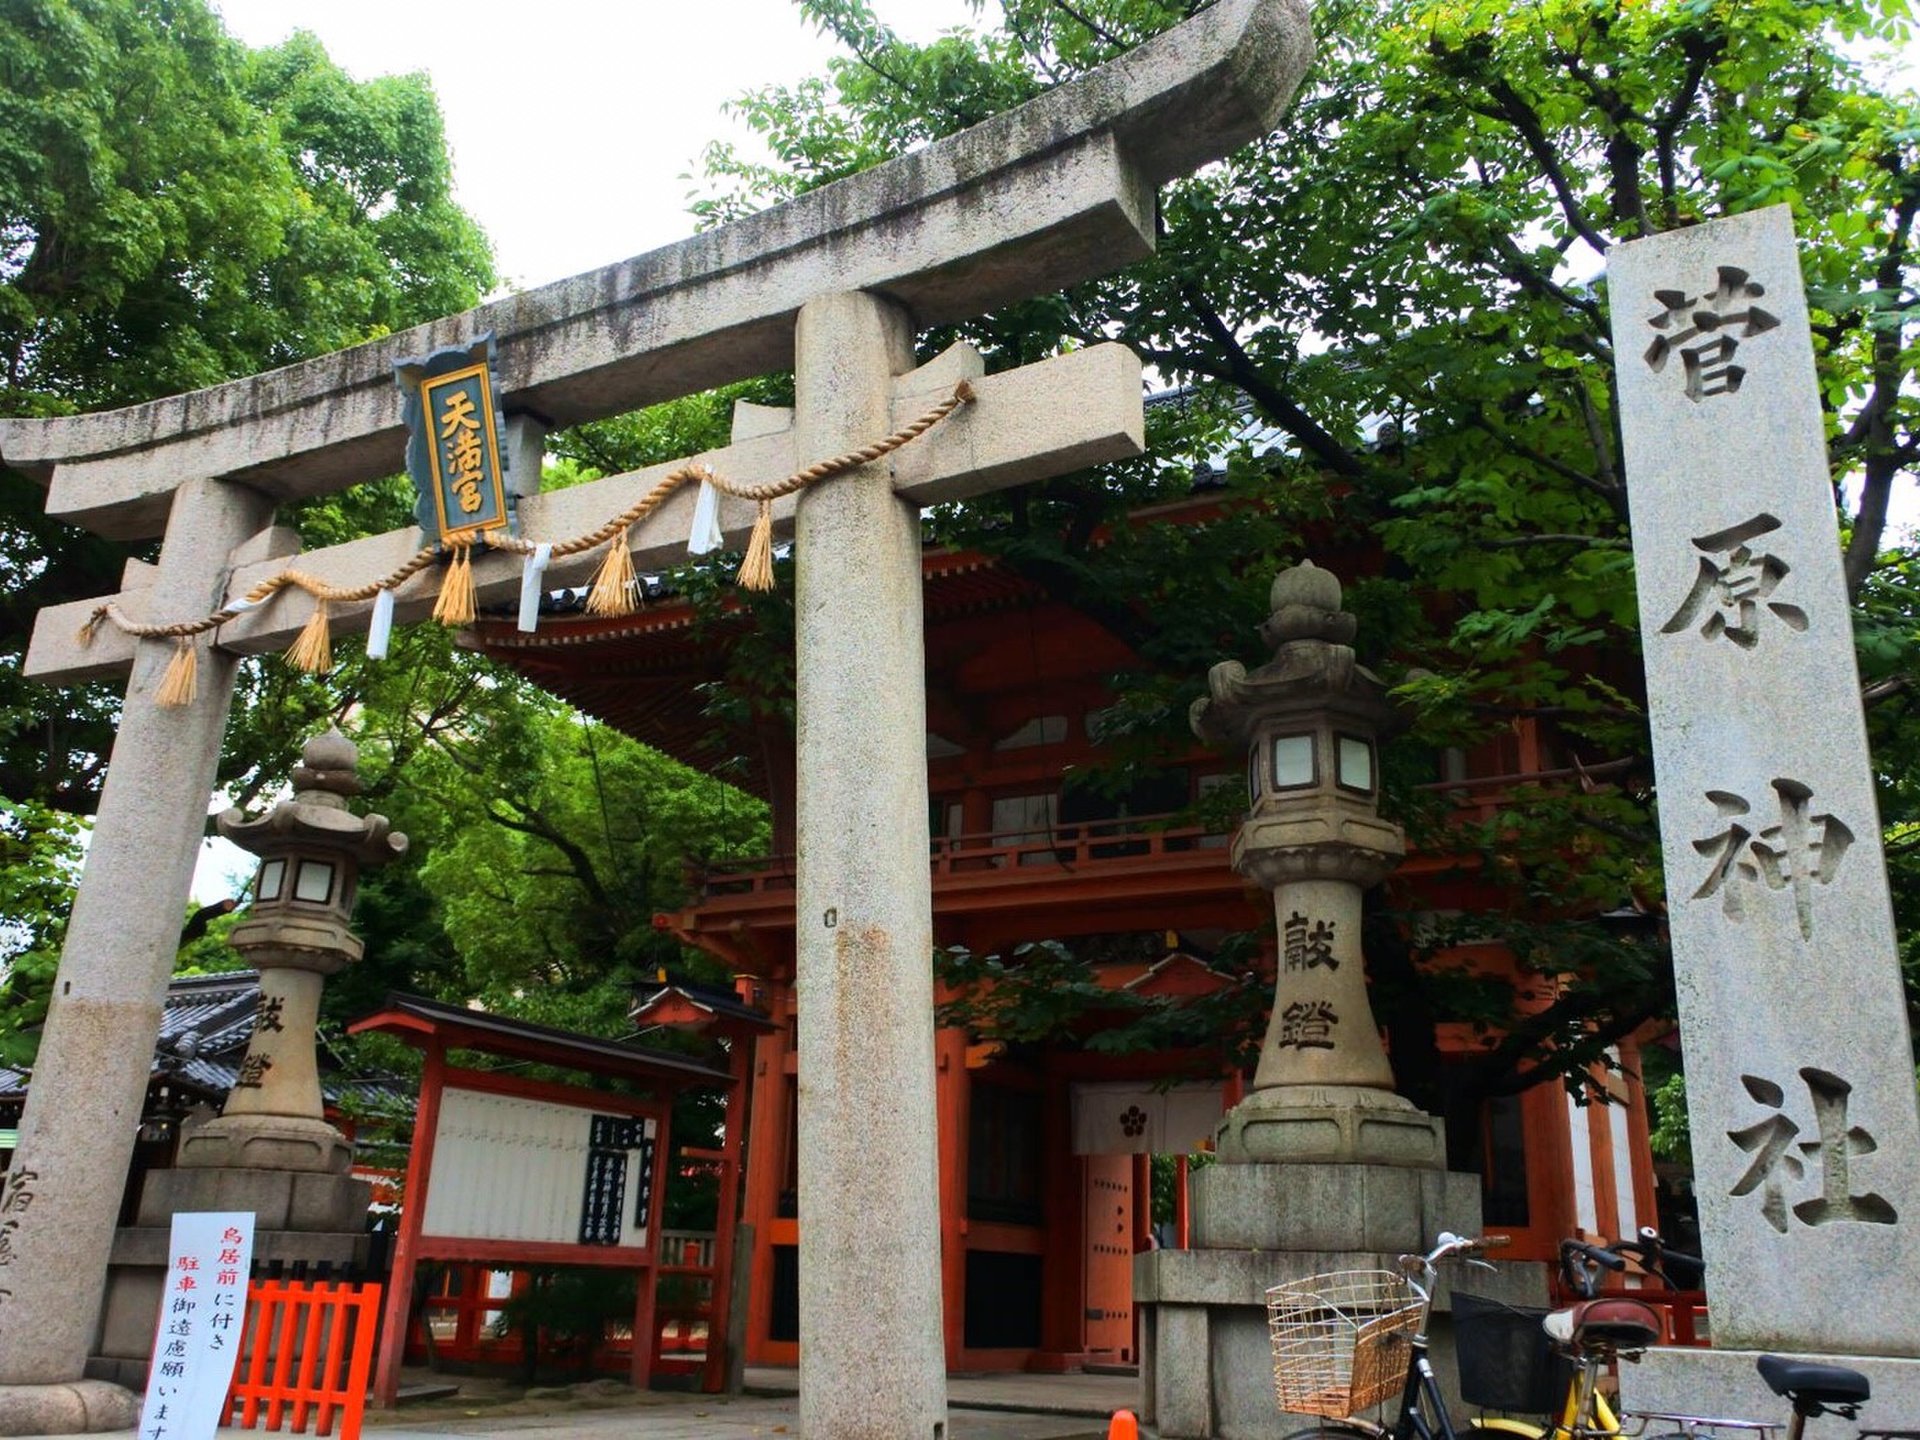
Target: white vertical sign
203,1310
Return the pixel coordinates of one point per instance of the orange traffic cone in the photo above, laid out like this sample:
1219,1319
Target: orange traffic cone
1123,1426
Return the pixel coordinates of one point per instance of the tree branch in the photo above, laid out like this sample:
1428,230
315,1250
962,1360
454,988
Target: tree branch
529,821
1519,270
1607,491
1701,52
1517,113
1279,407
1099,32
1881,464
1598,542
1886,689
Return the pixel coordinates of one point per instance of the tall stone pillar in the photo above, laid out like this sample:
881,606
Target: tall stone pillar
871,1360
62,1195
1800,1085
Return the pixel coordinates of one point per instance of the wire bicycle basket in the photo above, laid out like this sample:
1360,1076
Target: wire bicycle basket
1340,1340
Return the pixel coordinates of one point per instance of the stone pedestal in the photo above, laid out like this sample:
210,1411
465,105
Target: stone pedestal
1207,1370
1334,1125
301,1219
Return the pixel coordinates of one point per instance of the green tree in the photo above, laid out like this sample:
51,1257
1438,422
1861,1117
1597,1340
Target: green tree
40,853
1392,322
177,210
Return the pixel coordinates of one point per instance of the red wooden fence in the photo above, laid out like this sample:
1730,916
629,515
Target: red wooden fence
307,1354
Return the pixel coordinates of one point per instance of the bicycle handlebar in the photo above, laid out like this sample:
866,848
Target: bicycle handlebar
1582,1263
1447,1246
1652,1254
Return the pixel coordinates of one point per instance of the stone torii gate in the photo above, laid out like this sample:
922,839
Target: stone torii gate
834,284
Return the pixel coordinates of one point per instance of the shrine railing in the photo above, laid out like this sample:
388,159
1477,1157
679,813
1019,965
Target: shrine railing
1480,797
684,1320
1097,842
1086,842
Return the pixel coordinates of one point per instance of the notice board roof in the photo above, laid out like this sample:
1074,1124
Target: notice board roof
418,1020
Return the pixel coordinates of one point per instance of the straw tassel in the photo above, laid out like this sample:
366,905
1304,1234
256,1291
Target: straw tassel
91,626
612,592
457,605
756,571
181,684
313,650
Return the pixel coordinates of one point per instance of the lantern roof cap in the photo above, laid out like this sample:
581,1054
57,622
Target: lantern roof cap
327,769
1314,672
316,816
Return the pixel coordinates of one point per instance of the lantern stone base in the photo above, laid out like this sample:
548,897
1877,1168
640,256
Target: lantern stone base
1206,1358
318,1222
267,1143
1305,1208
1331,1125
137,1276
315,1221
280,1200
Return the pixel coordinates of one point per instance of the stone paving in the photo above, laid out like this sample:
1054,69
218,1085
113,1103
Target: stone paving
985,1407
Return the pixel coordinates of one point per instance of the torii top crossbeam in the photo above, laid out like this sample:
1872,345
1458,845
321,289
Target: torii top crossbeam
1034,200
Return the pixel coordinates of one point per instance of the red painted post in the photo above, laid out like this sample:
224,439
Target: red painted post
1123,1426
413,1212
713,1375
1182,1207
646,1324
766,1164
310,1367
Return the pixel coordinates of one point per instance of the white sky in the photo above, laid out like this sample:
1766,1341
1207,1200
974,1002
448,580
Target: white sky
573,122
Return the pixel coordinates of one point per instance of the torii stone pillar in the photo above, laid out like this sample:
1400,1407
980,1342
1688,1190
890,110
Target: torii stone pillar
865,932
834,282
62,1197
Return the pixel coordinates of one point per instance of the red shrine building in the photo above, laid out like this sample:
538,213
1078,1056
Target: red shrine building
1045,1151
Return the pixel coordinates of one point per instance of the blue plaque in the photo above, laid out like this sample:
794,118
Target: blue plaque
453,444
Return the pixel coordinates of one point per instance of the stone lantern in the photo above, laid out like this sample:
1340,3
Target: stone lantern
1311,720
311,849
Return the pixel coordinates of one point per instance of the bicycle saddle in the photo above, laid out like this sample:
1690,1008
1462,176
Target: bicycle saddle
1629,1324
1811,1387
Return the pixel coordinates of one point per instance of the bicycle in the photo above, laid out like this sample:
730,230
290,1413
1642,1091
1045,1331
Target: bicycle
1598,1330
1338,1341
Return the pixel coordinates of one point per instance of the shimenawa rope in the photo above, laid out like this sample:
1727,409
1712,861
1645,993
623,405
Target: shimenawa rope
611,592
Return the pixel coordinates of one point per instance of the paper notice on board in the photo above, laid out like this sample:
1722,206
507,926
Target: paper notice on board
203,1314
